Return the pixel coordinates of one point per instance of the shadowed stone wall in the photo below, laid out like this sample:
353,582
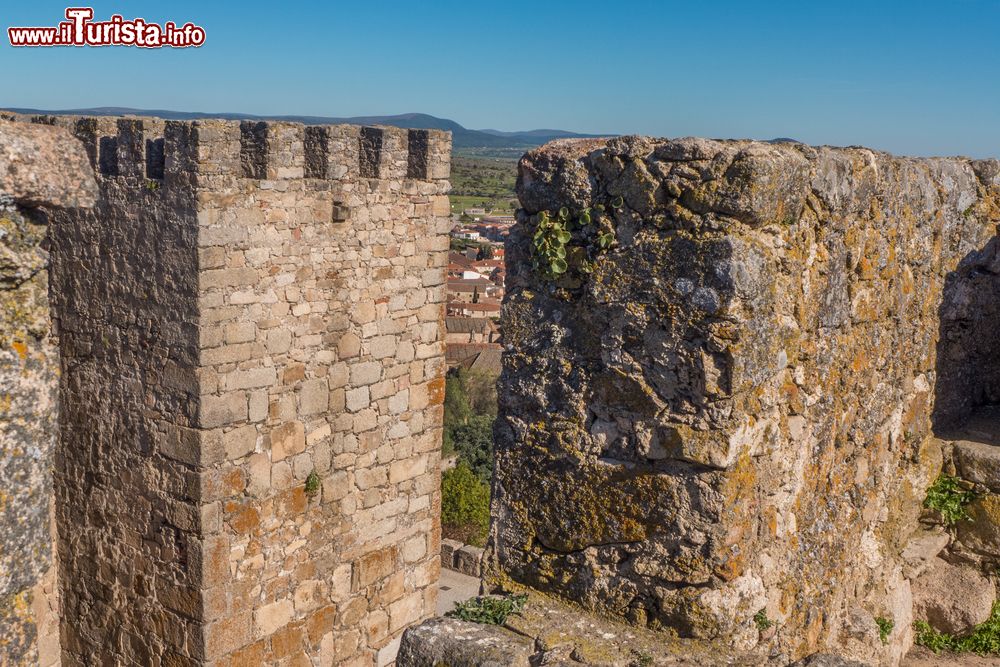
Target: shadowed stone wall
726,411
125,288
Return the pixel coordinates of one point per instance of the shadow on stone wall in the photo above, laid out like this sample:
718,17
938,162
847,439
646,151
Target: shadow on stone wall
968,353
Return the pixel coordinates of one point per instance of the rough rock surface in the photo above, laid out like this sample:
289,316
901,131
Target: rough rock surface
730,413
41,168
41,165
968,380
449,641
952,598
922,549
979,463
826,660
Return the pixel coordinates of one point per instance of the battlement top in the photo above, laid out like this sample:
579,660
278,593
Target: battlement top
154,148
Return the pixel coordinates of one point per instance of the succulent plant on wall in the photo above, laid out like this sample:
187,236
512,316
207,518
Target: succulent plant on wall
566,244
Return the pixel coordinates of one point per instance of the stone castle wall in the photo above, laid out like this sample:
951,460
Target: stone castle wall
252,348
726,412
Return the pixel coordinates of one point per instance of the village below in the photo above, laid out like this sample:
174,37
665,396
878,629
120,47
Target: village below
482,212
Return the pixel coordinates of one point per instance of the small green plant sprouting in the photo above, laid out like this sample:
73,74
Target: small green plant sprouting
969,211
550,239
555,253
983,640
885,627
762,621
947,496
312,484
152,186
928,637
490,610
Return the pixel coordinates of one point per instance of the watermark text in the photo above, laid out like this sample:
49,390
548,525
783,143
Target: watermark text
79,29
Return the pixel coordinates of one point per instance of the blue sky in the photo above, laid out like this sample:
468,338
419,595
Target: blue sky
911,77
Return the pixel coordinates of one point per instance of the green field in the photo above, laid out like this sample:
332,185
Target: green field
483,183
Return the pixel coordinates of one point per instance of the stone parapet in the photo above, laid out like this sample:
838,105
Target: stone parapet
715,413
42,169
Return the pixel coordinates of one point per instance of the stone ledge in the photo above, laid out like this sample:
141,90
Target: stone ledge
550,632
462,644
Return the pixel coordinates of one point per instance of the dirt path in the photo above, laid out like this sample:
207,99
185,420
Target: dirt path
921,657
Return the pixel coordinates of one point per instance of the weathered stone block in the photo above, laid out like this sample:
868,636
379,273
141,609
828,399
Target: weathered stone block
407,610
462,644
375,566
981,532
272,617
978,462
468,559
314,396
448,550
222,410
405,469
952,598
287,440
42,165
357,399
366,373
239,442
922,550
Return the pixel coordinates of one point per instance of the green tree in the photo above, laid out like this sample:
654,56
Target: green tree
481,391
473,441
457,409
470,407
465,505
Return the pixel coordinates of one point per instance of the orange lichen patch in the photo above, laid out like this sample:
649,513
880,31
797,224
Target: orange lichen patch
291,502
253,655
243,519
608,505
286,641
435,391
731,568
740,482
321,622
234,481
21,349
771,517
860,361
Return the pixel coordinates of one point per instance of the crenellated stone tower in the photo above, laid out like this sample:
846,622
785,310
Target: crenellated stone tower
249,325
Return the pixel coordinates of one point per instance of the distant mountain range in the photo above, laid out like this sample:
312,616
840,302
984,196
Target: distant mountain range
462,138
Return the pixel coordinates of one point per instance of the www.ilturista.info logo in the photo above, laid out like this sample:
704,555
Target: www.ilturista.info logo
81,30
